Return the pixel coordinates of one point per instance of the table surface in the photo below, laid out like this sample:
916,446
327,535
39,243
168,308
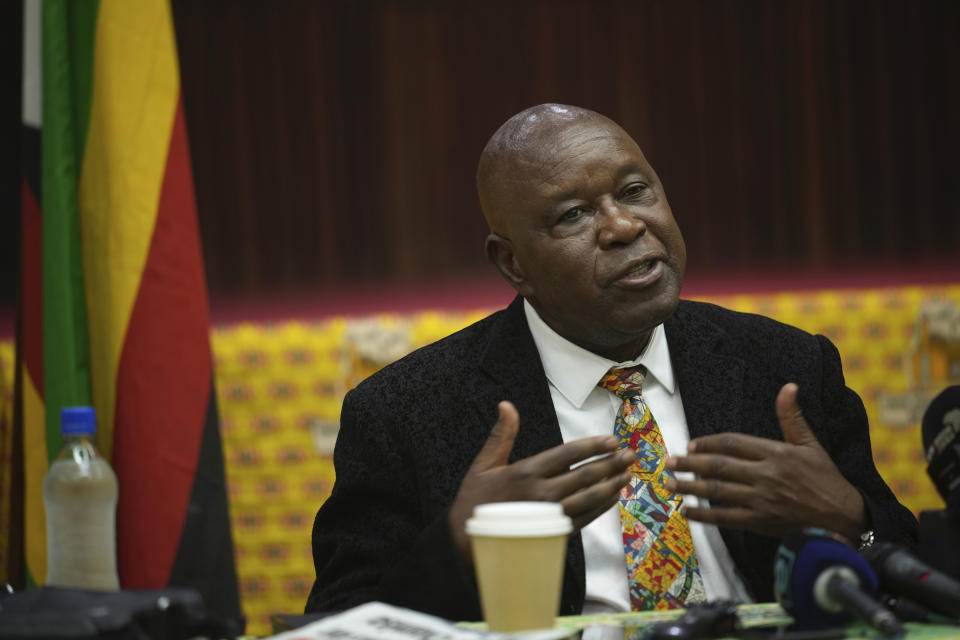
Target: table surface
751,616
634,624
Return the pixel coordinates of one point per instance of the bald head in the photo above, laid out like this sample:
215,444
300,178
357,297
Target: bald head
529,137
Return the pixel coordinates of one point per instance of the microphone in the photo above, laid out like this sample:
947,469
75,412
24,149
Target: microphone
822,582
909,611
940,529
903,574
941,442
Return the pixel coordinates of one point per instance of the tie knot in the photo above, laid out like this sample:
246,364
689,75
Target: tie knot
626,382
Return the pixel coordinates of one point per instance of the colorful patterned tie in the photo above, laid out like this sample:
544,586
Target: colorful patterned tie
662,566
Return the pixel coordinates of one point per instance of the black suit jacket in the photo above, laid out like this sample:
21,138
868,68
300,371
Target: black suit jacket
409,433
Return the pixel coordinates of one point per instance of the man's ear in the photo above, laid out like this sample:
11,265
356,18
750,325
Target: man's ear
500,253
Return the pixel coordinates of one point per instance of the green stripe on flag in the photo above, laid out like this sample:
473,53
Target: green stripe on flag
67,60
82,17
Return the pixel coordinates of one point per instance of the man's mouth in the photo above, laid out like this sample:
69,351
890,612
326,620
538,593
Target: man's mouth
641,275
640,269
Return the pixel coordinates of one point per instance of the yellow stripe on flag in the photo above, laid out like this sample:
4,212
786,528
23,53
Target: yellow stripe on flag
35,467
135,93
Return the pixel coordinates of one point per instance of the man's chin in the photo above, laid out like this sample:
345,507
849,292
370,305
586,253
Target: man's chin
642,317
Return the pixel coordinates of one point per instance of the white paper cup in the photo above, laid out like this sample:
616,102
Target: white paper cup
518,552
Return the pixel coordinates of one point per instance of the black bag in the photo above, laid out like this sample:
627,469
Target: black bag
173,613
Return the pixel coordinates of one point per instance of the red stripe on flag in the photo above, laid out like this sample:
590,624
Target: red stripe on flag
163,383
31,286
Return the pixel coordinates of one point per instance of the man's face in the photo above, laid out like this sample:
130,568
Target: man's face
595,248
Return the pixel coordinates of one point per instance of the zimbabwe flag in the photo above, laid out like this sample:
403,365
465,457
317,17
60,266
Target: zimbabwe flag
113,305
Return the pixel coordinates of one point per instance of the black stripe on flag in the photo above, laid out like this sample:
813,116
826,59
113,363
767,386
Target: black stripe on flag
205,559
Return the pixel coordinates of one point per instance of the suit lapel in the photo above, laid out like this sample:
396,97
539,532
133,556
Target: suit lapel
709,379
512,364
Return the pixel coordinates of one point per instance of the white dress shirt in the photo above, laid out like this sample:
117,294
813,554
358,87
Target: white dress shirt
584,409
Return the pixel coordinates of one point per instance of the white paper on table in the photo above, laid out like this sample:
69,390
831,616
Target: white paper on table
379,621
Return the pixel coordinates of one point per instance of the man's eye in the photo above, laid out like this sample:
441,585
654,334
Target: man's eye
633,191
571,214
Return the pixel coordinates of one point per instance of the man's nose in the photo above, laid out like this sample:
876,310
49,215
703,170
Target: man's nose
617,226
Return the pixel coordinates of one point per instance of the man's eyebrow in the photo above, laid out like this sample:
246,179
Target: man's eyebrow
566,195
632,167
622,172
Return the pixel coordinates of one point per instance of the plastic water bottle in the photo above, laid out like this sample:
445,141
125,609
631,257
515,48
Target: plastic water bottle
80,499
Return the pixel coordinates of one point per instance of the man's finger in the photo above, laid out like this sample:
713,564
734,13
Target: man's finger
560,458
496,451
592,473
716,491
737,445
792,423
711,465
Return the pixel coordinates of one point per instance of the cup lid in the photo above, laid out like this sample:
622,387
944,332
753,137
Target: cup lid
519,519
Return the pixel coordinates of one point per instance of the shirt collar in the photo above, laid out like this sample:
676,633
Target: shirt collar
575,372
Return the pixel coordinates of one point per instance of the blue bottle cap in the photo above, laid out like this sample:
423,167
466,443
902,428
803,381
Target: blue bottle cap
78,421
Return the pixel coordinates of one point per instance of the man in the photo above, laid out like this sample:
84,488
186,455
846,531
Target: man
581,228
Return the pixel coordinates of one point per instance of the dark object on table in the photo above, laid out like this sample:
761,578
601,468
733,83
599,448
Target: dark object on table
903,574
715,619
940,530
940,540
54,612
941,444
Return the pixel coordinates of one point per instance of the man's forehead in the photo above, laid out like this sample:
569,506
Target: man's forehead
532,148
558,143
580,150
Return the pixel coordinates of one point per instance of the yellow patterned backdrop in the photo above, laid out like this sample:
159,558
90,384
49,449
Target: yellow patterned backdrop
280,386
279,391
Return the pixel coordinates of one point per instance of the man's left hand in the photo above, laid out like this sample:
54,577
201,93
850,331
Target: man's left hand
766,485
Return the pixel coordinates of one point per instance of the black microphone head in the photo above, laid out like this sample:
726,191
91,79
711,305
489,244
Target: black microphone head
901,573
941,443
801,559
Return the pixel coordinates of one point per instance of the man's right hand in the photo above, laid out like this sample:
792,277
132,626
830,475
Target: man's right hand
584,492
